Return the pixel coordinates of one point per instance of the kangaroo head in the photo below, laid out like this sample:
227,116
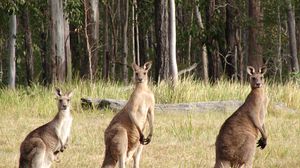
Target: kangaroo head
141,73
63,100
256,78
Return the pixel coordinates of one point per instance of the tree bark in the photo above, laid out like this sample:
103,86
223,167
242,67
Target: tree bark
204,49
28,46
87,9
12,51
162,48
125,10
58,63
298,36
279,46
214,61
105,70
173,62
240,55
292,37
297,16
114,41
45,60
255,31
68,53
92,7
230,33
136,29
1,57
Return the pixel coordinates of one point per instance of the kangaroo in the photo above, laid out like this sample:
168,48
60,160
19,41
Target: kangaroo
124,136
41,146
235,144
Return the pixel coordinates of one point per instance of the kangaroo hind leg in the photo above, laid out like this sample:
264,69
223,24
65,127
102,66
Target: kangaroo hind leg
137,156
222,164
38,157
121,147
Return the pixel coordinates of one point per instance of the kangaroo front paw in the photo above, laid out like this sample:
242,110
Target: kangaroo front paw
142,138
262,143
63,148
146,141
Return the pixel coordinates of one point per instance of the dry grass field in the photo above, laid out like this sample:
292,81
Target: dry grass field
182,140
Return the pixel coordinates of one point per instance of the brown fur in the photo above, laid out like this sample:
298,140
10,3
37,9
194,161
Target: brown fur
41,146
124,136
235,144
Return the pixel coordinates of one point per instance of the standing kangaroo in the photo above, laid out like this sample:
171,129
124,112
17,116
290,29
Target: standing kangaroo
235,144
124,136
40,147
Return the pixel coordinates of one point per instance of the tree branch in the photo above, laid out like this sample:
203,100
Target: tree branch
187,69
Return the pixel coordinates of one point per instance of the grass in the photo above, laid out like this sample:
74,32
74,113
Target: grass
180,139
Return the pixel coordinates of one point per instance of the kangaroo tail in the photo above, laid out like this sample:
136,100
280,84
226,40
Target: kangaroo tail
109,161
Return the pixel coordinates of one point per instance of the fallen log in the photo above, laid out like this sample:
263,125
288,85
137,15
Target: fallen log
116,105
211,106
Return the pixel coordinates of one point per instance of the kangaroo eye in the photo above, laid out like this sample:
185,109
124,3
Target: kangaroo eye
136,74
144,73
60,100
68,100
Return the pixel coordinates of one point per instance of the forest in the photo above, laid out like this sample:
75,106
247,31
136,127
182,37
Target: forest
46,42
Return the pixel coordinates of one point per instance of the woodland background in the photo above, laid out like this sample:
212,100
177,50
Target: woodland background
54,41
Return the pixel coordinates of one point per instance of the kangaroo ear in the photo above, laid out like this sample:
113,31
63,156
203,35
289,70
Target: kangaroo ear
147,65
263,70
134,66
70,94
58,92
250,70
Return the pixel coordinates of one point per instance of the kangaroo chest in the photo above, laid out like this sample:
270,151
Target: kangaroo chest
65,129
142,113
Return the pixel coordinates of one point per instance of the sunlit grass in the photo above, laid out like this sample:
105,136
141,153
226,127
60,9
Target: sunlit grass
180,139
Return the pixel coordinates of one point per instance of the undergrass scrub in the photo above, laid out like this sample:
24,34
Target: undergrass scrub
179,140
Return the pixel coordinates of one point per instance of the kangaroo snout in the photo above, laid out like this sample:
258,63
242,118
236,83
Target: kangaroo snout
140,79
64,107
258,84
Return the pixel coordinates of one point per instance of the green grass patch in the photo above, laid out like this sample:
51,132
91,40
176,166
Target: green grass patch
180,139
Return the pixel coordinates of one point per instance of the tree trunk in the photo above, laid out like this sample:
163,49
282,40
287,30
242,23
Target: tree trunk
133,34
204,50
68,53
190,60
230,32
114,42
279,46
12,51
58,64
298,35
28,47
255,31
105,70
135,30
44,58
297,12
125,40
240,55
162,48
92,7
172,42
292,37
89,45
1,57
212,44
